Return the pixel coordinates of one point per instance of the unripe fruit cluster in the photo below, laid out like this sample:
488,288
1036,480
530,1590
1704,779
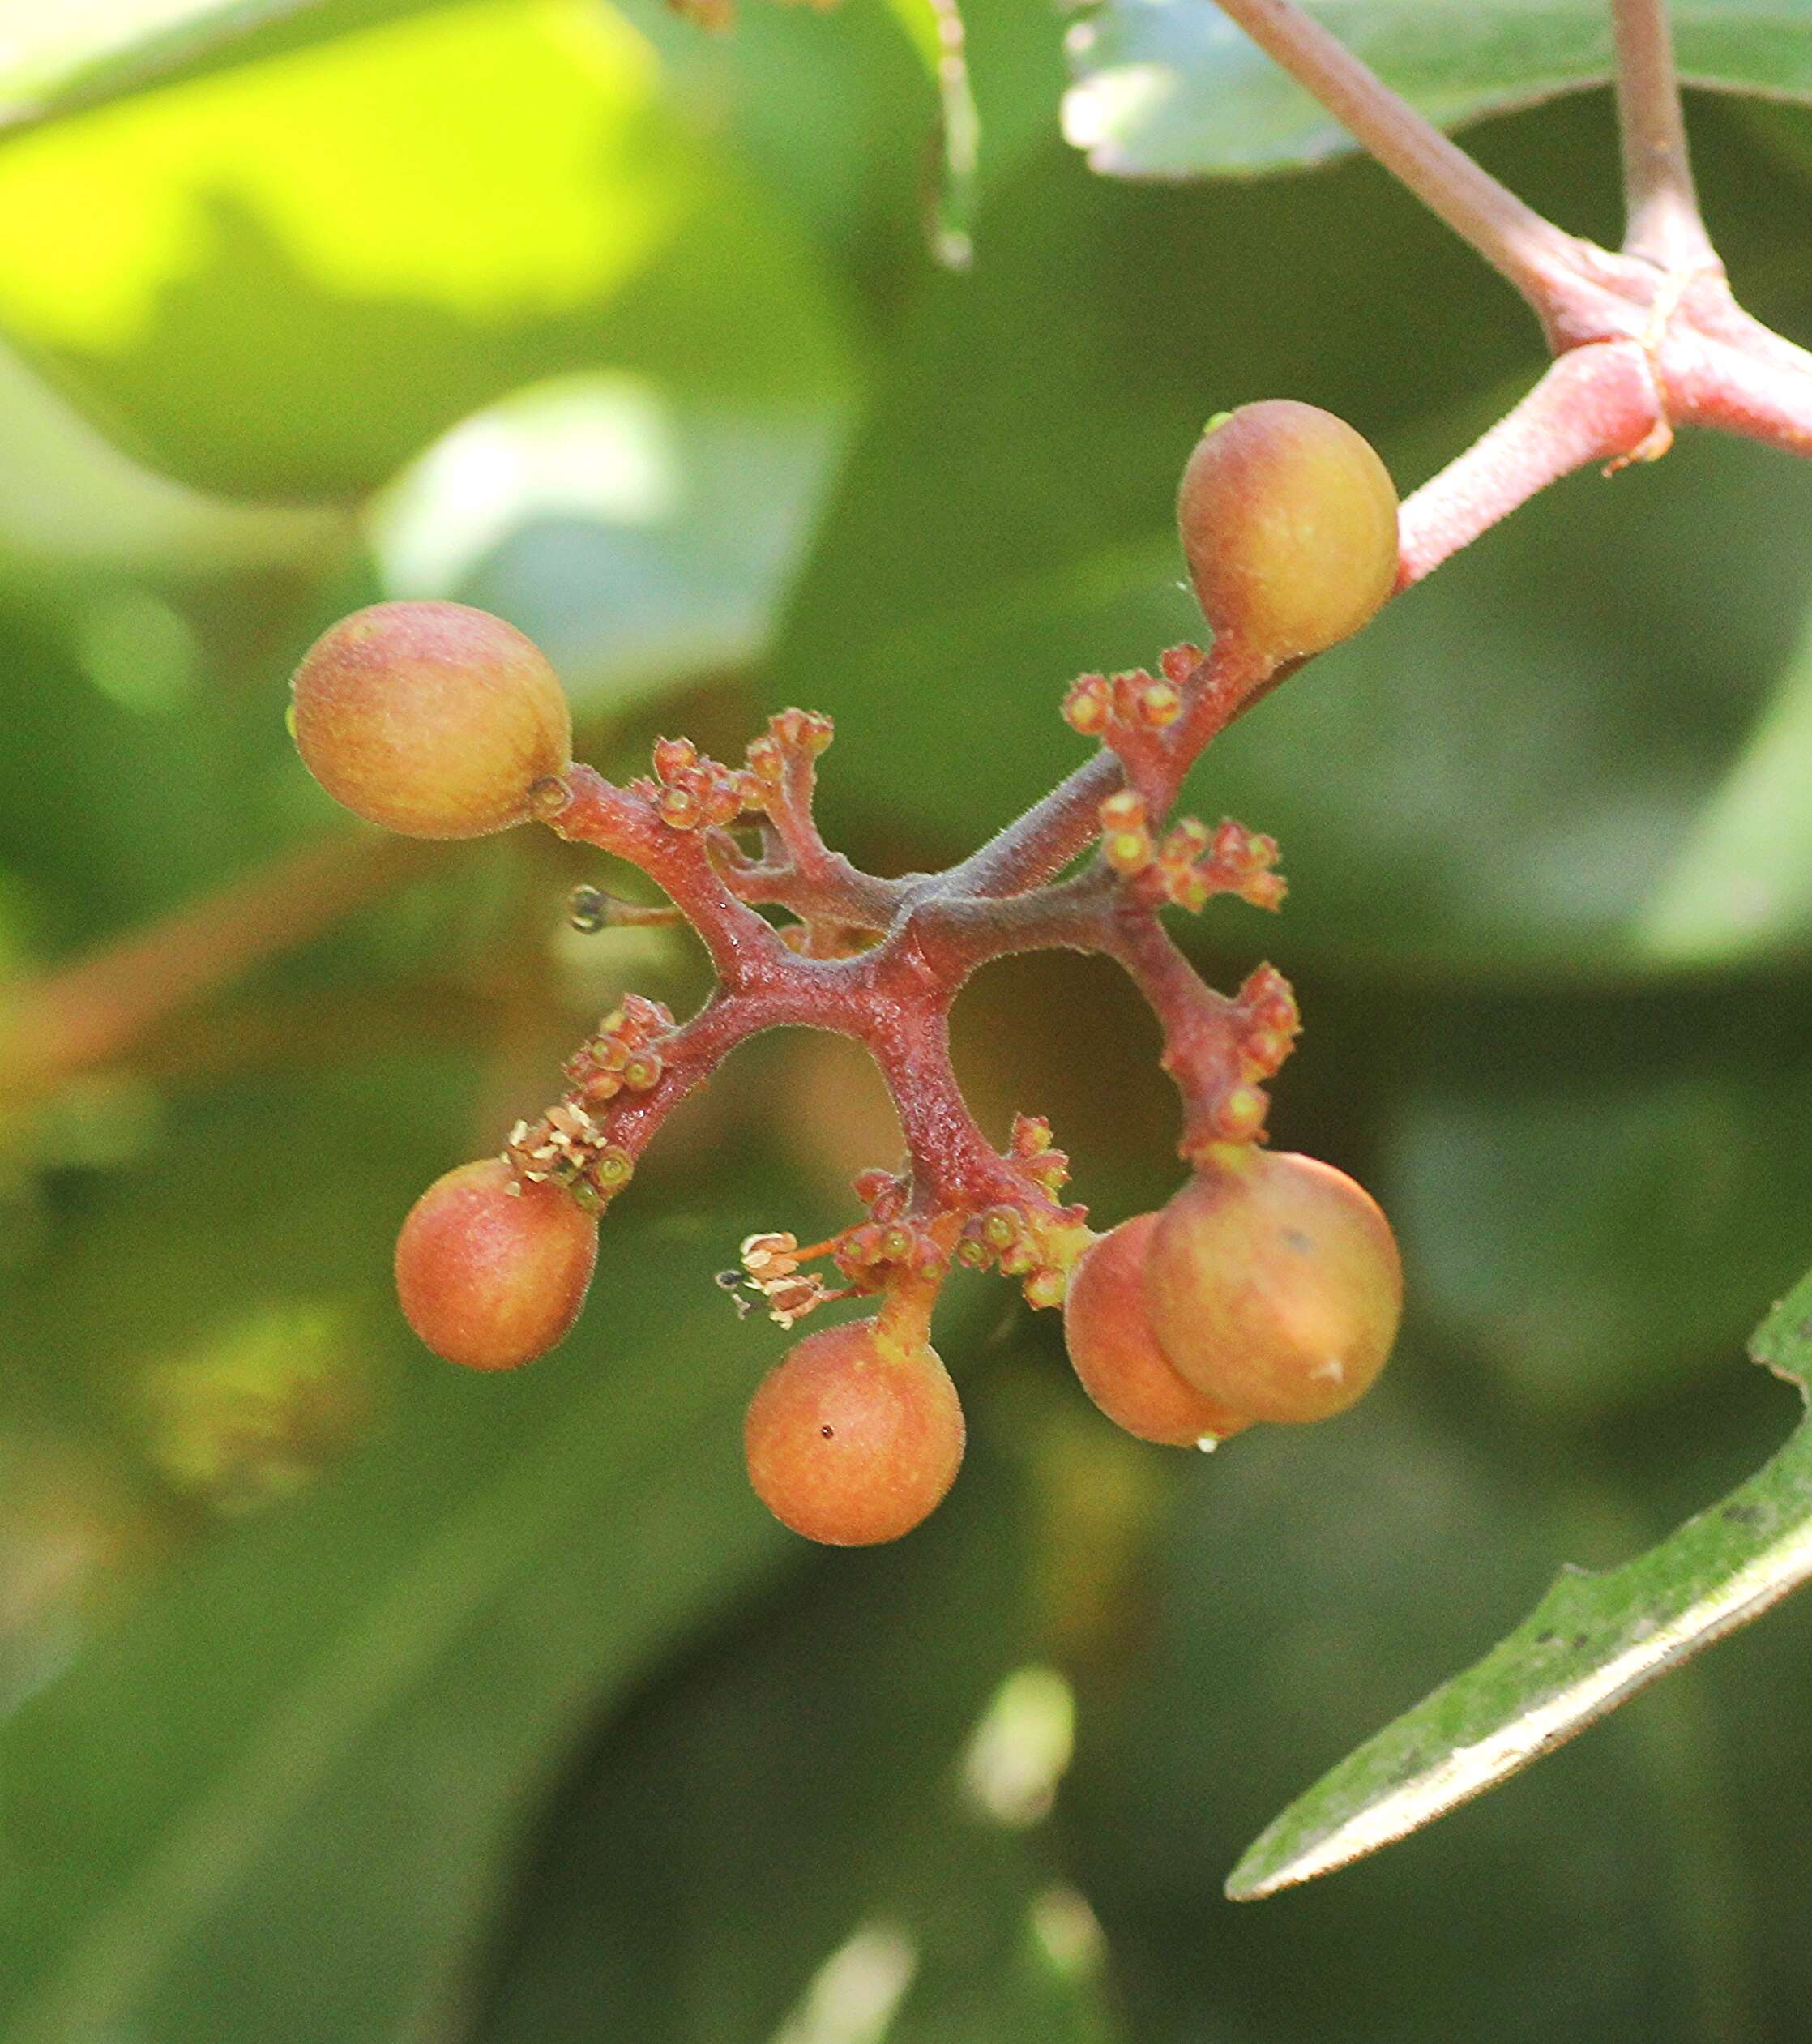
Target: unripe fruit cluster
1268,1288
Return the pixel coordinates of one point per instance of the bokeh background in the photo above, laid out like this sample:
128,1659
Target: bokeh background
345,1697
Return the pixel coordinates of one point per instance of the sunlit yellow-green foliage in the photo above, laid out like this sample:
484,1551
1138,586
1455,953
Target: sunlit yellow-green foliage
348,1699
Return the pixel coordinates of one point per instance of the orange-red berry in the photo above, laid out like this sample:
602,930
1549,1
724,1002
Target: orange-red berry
492,1269
1108,1332
1273,1284
433,719
852,1439
1289,524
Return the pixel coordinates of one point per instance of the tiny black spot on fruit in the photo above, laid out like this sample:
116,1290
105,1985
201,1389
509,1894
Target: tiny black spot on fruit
828,1432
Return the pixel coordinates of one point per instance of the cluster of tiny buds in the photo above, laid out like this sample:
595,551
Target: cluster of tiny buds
1135,698
1036,1242
622,1054
874,1253
569,1145
1266,1021
1193,863
691,793
1034,1150
1269,1022
1023,1242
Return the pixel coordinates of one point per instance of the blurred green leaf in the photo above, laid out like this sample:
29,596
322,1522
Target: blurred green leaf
639,535
119,803
71,499
1741,883
276,1802
57,59
1592,1641
799,1822
1171,88
935,28
313,265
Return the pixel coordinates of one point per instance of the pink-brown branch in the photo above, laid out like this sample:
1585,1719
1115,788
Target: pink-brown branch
1663,224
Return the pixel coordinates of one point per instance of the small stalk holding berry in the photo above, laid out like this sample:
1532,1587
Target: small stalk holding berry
1268,1288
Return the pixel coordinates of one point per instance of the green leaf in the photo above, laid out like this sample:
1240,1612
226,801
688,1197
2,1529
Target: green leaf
129,781
936,31
58,59
278,1801
68,499
307,268
1593,1640
1306,1583
1173,88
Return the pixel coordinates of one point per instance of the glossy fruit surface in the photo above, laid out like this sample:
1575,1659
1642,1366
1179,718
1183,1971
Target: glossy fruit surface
851,1441
1274,1284
432,719
1116,1355
1288,522
491,1270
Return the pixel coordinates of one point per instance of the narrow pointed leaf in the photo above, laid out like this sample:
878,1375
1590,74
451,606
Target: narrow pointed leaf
1590,1642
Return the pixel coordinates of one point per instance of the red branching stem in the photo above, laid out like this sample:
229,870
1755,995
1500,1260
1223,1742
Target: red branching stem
957,934
1723,369
954,1167
790,809
827,888
692,1053
799,871
1058,829
1202,1041
1663,223
1595,404
1043,841
746,951
1645,340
